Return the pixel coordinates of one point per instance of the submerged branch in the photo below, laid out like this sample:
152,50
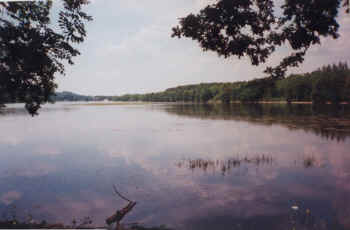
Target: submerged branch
119,214
120,195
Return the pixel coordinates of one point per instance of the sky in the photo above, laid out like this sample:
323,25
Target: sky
129,49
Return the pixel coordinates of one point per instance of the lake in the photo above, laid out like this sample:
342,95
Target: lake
272,166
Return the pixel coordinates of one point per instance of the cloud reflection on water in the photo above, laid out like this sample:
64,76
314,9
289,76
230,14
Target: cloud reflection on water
76,160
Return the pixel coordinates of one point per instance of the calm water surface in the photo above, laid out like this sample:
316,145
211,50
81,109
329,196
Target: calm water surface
188,166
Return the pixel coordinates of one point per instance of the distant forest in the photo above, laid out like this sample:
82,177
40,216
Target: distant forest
69,96
329,83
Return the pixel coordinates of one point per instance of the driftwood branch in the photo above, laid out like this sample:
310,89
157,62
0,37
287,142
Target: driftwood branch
120,195
119,214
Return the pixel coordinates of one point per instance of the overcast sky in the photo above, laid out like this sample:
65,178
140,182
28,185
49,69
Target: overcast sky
129,50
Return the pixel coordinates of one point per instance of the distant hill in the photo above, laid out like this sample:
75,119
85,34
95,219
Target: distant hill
70,96
330,83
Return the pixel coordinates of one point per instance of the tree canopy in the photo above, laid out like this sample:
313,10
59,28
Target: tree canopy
330,83
256,28
33,49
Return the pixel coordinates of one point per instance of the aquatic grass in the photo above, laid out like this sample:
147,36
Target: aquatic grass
309,161
224,165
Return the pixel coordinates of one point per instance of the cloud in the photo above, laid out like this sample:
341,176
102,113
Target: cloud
47,150
129,50
35,170
10,196
9,140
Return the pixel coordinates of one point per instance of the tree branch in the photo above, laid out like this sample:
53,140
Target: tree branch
120,195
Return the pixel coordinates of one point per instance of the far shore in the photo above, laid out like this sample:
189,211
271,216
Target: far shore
285,102
104,103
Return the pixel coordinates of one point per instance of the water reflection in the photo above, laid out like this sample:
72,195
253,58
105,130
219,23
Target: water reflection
224,165
62,164
328,121
227,165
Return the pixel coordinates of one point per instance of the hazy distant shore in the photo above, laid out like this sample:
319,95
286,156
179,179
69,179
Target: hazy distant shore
97,103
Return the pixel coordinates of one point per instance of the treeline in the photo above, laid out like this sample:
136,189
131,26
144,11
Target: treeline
59,96
69,96
330,83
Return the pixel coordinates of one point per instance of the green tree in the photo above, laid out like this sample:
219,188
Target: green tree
33,50
347,90
205,94
252,28
187,94
330,84
225,95
320,91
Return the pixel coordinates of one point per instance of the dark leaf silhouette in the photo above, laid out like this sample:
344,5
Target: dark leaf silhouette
32,52
252,28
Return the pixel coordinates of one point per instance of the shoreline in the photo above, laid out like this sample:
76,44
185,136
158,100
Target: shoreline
103,103
285,102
